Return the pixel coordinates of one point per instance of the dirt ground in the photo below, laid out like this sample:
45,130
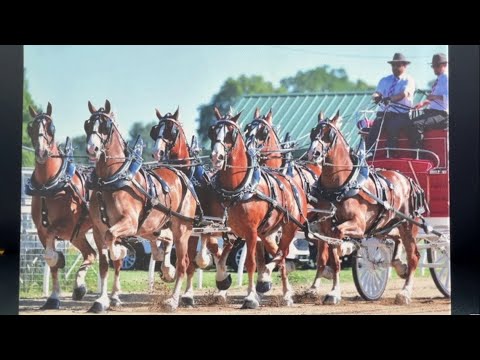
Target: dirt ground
426,300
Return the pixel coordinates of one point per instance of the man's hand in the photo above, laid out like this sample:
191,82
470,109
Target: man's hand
376,98
434,97
422,104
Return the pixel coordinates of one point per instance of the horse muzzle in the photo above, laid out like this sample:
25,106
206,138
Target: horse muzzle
217,160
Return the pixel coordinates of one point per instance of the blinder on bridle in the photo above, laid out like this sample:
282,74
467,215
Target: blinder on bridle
105,127
212,131
39,120
155,131
316,133
261,135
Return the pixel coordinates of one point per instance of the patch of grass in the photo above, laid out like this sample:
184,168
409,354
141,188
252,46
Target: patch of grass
137,281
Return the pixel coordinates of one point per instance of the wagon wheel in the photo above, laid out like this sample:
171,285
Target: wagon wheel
370,268
440,257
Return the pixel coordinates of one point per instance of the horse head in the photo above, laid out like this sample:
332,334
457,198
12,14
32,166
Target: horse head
169,137
323,137
41,131
223,136
260,130
99,128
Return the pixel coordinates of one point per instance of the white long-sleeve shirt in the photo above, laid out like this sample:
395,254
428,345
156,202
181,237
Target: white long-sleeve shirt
391,85
440,87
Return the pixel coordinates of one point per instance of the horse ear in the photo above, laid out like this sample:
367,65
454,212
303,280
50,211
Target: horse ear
32,111
337,118
49,109
175,116
91,108
218,116
268,118
107,107
256,115
236,117
159,116
321,116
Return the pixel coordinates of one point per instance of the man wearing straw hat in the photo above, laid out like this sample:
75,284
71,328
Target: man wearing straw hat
394,93
436,115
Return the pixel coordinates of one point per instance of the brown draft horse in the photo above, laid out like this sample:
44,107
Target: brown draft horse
171,147
61,197
358,216
265,138
245,191
142,203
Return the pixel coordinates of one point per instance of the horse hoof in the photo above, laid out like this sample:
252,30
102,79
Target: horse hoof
187,301
51,304
331,300
224,284
60,261
170,305
97,308
220,299
201,262
167,277
288,301
79,293
263,286
250,304
115,302
402,299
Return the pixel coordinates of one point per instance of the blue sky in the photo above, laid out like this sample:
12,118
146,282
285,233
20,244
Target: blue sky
137,79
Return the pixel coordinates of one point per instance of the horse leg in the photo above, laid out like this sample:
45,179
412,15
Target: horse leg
168,271
322,268
187,297
288,233
264,280
55,260
102,303
181,233
157,250
335,295
126,226
201,258
89,255
407,233
400,267
251,301
222,278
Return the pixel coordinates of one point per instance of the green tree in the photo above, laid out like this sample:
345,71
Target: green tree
139,128
229,93
79,144
321,79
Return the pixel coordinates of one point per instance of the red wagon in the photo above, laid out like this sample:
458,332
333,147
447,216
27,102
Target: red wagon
429,168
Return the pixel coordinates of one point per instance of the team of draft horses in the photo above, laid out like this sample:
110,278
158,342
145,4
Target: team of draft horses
253,187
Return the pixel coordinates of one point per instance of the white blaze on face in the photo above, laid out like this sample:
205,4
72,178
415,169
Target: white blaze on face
218,152
94,144
42,153
312,150
159,148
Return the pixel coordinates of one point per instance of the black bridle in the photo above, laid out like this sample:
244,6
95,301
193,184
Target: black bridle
104,129
39,121
264,133
215,130
158,132
317,134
